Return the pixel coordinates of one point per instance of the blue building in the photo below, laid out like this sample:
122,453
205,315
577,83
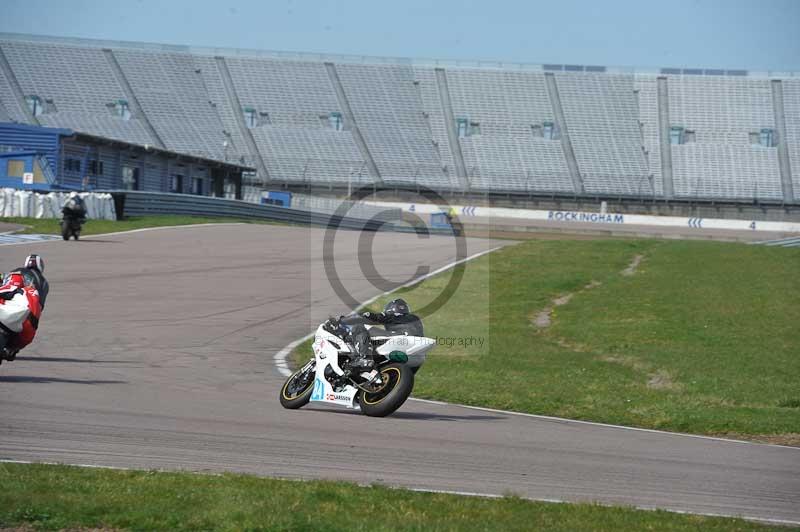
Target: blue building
44,159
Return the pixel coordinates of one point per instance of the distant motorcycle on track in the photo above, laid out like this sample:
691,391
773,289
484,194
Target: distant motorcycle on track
326,378
71,227
73,216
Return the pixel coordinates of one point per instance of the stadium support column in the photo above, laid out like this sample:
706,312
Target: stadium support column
452,136
783,149
561,124
236,105
350,122
16,89
663,138
133,102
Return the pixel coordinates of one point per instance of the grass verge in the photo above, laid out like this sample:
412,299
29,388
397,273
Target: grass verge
700,337
61,497
96,227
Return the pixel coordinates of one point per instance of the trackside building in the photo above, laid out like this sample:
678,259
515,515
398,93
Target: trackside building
46,159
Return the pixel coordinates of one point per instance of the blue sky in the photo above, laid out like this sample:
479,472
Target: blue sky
751,34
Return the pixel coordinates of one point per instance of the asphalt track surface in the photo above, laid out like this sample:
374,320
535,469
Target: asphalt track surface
156,351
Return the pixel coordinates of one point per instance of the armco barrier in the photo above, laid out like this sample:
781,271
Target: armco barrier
135,203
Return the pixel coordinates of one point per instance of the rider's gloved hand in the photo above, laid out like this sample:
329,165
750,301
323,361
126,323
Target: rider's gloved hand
378,317
331,325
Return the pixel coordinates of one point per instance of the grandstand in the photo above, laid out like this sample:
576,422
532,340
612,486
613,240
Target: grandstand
569,131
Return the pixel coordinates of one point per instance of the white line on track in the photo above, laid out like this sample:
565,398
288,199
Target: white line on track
432,490
598,424
280,357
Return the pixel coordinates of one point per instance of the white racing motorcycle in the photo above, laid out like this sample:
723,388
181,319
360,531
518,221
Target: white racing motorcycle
376,393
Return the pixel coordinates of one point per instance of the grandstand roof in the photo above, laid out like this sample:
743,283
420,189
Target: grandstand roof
13,128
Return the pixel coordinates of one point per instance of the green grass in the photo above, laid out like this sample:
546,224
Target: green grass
703,338
96,227
62,497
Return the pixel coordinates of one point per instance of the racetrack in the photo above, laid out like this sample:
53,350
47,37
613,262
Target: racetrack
156,351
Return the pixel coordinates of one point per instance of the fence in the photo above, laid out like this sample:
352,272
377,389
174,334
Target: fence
135,203
28,204
306,202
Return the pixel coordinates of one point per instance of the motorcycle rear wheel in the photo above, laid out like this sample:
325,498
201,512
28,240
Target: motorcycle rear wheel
296,391
398,381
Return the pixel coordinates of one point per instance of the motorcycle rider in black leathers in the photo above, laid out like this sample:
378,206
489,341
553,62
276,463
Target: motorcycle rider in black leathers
74,208
396,317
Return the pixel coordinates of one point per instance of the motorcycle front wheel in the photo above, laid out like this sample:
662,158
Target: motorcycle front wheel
65,230
397,383
296,391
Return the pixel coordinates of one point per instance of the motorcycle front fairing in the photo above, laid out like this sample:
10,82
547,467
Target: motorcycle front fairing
415,347
327,348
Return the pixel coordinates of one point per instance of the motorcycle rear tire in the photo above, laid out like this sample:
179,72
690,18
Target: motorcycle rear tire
400,378
295,401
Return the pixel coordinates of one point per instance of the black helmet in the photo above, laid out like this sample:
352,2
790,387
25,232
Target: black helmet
396,307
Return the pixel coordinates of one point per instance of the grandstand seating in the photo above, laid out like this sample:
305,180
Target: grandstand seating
214,85
522,164
80,84
292,101
506,105
311,155
175,101
647,92
9,106
437,122
791,106
607,140
794,158
193,101
388,111
77,79
706,170
719,107
722,112
293,93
